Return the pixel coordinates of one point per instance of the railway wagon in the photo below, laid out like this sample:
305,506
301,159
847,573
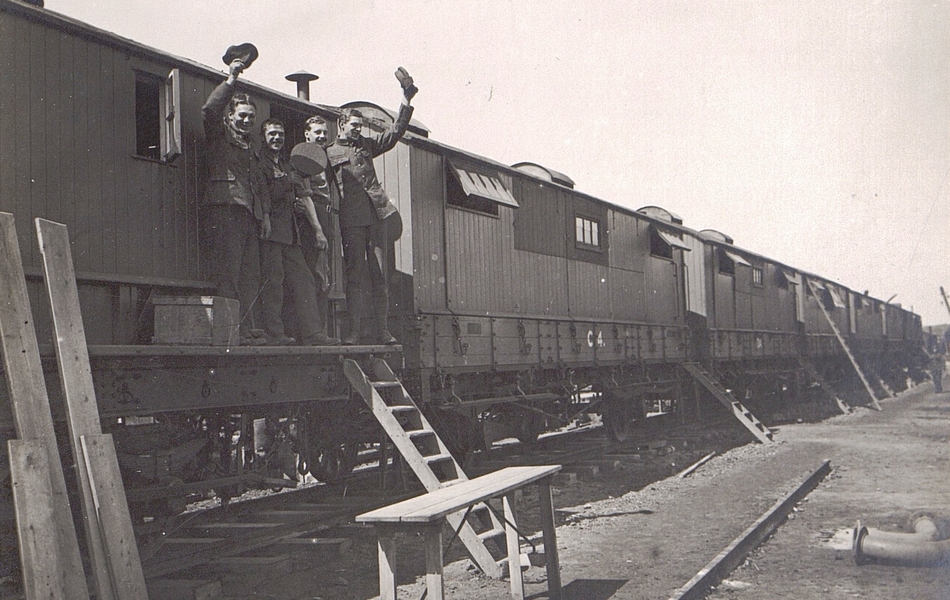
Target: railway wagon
520,302
105,135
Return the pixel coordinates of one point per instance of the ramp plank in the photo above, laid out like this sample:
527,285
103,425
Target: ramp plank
113,552
26,388
41,561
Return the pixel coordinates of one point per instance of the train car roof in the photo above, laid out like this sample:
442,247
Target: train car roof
85,30
418,134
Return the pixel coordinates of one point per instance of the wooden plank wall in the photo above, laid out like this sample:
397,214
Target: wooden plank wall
517,262
428,192
67,140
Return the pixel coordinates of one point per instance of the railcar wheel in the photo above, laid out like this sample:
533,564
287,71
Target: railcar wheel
529,426
330,463
618,419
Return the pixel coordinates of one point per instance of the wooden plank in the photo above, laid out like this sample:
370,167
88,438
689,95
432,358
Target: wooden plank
26,389
442,502
386,550
514,546
113,554
549,536
184,589
45,565
433,548
112,510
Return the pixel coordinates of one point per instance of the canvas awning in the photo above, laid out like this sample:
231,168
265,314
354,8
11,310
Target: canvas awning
482,185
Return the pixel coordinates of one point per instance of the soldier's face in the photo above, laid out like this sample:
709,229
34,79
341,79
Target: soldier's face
317,133
351,128
241,119
274,137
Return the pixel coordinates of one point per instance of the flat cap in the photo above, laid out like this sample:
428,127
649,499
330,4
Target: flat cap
308,158
247,52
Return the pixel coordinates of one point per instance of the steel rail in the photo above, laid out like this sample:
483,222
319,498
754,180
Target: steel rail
733,555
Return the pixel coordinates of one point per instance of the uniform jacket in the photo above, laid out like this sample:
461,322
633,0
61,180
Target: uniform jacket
283,188
233,172
363,200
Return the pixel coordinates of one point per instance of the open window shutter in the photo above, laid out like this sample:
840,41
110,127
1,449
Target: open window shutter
171,120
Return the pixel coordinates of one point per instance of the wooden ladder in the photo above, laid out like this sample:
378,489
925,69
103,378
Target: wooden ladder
869,368
844,345
428,456
760,431
823,384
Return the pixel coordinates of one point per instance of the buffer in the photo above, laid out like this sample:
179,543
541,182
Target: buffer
428,456
748,420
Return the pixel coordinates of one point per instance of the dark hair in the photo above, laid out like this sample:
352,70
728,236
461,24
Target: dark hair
239,99
314,120
270,122
348,113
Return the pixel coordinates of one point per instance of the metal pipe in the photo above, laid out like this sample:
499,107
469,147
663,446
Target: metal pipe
302,79
911,549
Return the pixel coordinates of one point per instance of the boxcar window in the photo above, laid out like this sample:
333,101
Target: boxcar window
659,246
586,233
157,123
757,277
727,266
147,120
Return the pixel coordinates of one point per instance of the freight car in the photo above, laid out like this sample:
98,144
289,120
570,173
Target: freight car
520,302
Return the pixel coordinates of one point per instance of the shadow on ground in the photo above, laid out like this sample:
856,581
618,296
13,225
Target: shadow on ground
589,589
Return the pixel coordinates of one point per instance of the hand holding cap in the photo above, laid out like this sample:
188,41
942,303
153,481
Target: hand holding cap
246,53
405,80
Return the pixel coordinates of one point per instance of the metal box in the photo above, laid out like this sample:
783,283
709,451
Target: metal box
197,321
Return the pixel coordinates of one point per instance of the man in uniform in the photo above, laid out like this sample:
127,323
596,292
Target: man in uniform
364,206
238,209
318,244
282,261
938,361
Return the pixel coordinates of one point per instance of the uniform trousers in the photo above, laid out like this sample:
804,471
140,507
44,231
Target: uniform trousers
283,267
235,251
363,277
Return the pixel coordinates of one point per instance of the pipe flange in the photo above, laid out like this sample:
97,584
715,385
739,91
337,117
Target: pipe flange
857,538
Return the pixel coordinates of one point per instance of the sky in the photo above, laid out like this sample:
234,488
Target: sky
815,132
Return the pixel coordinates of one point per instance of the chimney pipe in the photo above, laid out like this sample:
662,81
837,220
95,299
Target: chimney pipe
302,79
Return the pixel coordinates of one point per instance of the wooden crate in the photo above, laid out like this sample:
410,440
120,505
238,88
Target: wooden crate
197,321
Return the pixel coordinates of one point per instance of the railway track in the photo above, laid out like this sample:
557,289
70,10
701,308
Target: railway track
290,530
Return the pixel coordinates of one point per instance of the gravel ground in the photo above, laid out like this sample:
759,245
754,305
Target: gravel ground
637,532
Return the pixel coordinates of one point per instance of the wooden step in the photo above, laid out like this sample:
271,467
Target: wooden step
183,589
391,417
379,385
742,414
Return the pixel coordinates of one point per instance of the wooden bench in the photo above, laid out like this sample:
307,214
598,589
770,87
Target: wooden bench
427,512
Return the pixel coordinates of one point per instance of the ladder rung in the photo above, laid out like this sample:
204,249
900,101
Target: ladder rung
385,384
437,458
416,433
401,408
491,533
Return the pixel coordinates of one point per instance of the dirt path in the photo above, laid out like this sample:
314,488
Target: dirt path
645,544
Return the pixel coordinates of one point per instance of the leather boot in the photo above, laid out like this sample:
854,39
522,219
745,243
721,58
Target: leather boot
354,310
380,321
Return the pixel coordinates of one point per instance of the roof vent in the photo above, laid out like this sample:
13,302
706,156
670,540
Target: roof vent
302,79
544,173
660,213
716,236
379,118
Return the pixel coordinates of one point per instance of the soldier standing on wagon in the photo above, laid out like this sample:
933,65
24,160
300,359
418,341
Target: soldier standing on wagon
238,209
317,242
282,261
364,206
